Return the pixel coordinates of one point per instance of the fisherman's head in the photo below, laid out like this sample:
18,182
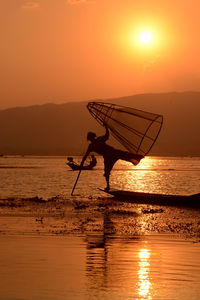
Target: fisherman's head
70,159
91,136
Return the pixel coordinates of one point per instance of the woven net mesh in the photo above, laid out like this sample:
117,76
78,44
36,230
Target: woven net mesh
135,129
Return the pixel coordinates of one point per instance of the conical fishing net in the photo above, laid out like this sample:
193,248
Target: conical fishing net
135,129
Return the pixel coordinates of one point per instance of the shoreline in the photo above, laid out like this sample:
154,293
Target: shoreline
95,216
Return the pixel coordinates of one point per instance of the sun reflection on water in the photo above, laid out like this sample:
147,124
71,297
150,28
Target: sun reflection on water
152,175
144,284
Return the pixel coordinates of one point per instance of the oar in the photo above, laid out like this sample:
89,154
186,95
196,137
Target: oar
79,173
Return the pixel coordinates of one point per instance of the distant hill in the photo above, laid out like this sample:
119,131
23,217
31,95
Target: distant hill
61,129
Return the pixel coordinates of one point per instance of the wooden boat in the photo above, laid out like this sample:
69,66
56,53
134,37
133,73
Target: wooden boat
156,199
74,166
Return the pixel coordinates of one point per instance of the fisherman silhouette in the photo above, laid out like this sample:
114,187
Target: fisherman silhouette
93,161
71,162
110,154
70,159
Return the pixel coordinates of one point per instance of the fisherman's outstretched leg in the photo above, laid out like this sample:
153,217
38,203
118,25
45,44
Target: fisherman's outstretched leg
127,156
136,158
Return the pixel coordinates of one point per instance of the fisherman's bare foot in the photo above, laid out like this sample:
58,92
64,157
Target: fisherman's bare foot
107,189
136,159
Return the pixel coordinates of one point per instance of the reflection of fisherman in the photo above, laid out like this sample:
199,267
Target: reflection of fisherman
110,154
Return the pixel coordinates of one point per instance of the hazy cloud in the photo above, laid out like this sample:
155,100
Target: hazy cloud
30,5
79,1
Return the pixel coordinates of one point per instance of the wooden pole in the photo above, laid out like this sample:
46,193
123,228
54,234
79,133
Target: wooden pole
79,173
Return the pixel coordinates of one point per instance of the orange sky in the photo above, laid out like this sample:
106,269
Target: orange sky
69,50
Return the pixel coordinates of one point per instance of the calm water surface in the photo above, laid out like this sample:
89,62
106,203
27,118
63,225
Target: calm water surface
50,176
71,267
99,264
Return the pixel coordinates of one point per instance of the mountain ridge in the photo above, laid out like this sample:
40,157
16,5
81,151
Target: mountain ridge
61,129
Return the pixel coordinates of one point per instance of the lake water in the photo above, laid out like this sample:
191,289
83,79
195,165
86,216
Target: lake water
67,268
50,176
119,252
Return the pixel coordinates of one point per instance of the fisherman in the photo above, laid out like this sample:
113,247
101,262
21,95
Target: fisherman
110,154
71,162
93,161
70,159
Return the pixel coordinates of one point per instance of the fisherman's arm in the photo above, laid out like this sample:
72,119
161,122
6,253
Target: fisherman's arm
105,137
85,156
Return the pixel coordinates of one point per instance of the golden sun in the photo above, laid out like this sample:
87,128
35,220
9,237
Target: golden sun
145,37
143,41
